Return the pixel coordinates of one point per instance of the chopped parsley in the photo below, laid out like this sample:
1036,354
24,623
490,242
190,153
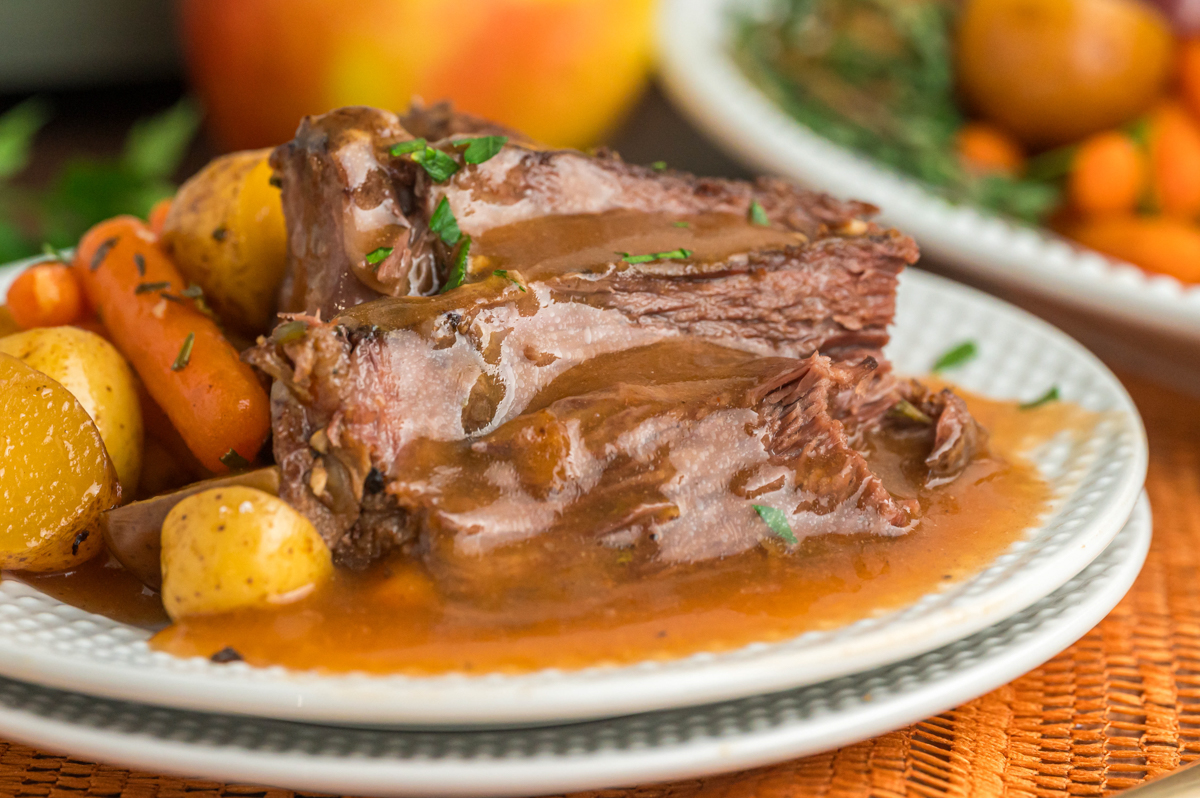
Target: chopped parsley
437,164
682,224
185,353
1049,396
376,256
444,224
139,260
675,254
145,288
504,273
459,272
778,523
289,332
102,252
405,147
659,166
234,461
906,409
958,356
758,215
481,148
193,291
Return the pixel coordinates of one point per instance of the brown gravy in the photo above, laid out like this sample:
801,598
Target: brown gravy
391,620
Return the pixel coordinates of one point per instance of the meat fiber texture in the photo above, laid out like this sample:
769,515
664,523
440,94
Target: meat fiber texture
577,419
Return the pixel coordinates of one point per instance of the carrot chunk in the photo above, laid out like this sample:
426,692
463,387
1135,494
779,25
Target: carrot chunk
45,295
1108,174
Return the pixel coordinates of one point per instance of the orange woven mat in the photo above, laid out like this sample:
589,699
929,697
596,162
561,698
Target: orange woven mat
1120,706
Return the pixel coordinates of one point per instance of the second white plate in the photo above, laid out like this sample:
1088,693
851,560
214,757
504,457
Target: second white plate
1095,478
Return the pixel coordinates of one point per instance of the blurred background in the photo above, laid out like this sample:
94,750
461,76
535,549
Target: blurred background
1077,116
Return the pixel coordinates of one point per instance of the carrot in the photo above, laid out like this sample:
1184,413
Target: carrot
45,295
985,149
1175,161
213,399
1156,243
1108,174
1188,67
157,217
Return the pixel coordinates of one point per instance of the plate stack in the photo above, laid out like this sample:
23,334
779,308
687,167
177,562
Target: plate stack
558,731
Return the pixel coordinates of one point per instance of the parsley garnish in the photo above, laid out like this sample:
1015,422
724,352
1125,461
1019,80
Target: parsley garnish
289,332
185,353
437,164
405,147
459,272
682,224
482,148
102,252
778,523
444,224
139,260
234,461
376,256
758,215
1049,396
145,288
675,254
959,355
906,409
54,254
504,273
659,166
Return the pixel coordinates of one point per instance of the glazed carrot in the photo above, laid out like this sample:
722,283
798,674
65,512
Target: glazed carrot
1157,244
213,399
1108,174
45,295
1188,69
158,216
1175,161
984,149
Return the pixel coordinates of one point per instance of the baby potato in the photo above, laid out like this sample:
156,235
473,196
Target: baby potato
234,547
225,232
55,474
95,372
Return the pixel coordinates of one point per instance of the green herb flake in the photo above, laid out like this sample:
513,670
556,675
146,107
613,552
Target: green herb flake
146,288
193,291
1049,396
504,274
219,233
778,523
139,260
185,353
156,145
443,223
52,253
675,254
482,148
907,410
682,224
659,166
437,164
289,332
960,355
102,252
405,147
234,461
459,272
757,215
376,256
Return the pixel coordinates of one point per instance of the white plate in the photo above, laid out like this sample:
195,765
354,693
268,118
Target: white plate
676,744
705,82
1096,481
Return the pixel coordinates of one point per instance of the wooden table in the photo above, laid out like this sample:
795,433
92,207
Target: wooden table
1120,706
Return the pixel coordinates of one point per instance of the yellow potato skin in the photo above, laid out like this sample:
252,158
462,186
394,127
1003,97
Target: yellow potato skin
225,232
231,548
93,370
55,474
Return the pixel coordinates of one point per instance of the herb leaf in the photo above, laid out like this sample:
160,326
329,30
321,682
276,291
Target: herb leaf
234,461
1049,396
675,254
185,353
504,273
405,147
682,224
437,164
156,145
659,166
906,409
443,223
758,215
52,253
958,356
102,252
375,256
145,288
778,523
18,126
482,148
459,272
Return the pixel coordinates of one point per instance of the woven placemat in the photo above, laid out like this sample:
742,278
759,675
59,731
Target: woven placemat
1120,706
